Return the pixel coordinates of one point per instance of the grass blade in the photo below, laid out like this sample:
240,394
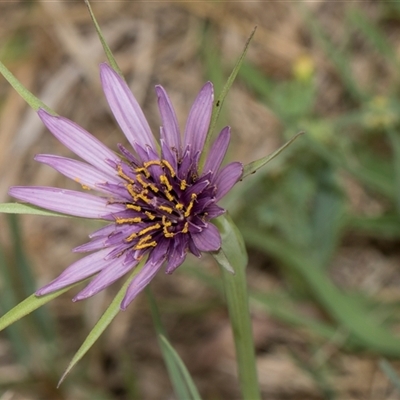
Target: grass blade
388,370
257,164
184,388
18,208
30,98
101,324
106,48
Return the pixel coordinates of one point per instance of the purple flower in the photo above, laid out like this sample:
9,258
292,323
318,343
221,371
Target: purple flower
157,202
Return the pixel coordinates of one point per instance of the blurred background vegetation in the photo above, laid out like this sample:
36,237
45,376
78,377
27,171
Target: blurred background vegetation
321,222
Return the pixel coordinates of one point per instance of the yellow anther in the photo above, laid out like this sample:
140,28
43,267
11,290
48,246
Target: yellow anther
152,162
142,243
165,222
169,196
183,185
190,206
165,182
135,220
143,197
123,175
134,207
153,187
144,170
131,237
85,187
166,209
149,228
169,166
179,206
131,191
185,228
141,181
150,215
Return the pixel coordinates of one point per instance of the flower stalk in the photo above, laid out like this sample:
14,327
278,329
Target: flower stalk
235,288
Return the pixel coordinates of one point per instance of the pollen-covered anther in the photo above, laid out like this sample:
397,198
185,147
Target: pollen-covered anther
191,204
149,228
134,207
123,175
169,167
143,170
165,182
183,185
179,206
134,220
150,215
143,245
167,209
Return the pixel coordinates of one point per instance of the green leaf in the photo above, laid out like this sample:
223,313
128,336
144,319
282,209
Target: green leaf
101,324
31,99
257,164
235,287
18,208
174,356
221,98
347,311
181,380
30,304
106,48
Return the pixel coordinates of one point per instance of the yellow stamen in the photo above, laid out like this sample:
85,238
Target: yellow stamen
165,182
143,197
165,208
134,207
141,181
123,175
144,170
185,228
179,206
142,243
135,220
169,166
190,206
152,162
131,191
149,228
183,185
150,215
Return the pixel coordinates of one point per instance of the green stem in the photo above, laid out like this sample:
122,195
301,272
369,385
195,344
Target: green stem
235,287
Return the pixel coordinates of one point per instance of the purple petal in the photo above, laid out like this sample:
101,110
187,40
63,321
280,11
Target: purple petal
147,273
80,172
105,278
65,201
177,253
214,211
167,154
217,151
81,142
126,109
77,271
199,119
226,178
208,239
170,131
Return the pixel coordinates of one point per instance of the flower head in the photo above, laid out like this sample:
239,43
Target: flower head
156,200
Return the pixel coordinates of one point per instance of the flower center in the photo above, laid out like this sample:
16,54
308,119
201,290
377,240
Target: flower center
161,204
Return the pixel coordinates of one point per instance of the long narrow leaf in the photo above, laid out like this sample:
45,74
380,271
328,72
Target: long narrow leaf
101,324
257,164
172,354
221,98
28,305
18,208
106,48
31,99
184,389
